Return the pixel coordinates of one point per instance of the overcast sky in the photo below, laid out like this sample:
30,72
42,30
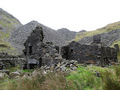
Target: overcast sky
75,15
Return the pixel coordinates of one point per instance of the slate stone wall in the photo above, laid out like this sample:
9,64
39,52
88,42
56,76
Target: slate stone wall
12,62
45,53
83,53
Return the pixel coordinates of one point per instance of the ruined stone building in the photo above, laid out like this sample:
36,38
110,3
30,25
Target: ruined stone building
94,52
36,50
38,53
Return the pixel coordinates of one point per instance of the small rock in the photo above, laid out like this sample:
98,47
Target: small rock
47,54
63,68
56,54
75,62
5,71
71,65
1,76
72,62
16,77
58,70
73,68
47,68
44,72
97,74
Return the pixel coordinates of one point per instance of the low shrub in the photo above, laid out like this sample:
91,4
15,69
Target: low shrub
50,81
111,79
84,78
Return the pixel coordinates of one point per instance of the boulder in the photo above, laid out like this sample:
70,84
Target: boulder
63,68
73,68
5,71
3,76
14,75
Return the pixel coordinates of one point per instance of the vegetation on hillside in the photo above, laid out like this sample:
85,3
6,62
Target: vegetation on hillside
7,24
117,42
108,28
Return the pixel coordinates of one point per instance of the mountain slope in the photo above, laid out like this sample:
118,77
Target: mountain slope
8,23
67,34
108,28
20,35
106,38
109,34
13,34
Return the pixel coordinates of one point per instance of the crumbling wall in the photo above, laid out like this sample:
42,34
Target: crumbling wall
45,53
97,39
11,62
117,47
83,53
7,60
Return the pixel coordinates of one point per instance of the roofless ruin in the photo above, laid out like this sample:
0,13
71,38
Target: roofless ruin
40,53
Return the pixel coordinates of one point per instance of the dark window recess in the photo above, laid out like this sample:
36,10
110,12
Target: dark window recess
30,50
24,52
40,62
71,50
32,66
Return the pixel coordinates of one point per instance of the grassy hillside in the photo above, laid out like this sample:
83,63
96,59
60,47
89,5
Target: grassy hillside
7,24
108,28
117,42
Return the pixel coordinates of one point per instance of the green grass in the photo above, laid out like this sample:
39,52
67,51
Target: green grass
85,79
13,69
117,42
111,79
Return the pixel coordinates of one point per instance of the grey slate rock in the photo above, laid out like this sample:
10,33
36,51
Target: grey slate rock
20,35
67,34
107,39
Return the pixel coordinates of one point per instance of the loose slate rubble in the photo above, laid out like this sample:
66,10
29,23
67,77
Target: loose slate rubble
64,66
